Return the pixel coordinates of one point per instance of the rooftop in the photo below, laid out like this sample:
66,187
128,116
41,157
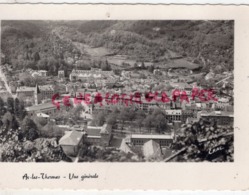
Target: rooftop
40,114
42,88
98,130
41,107
46,88
42,71
218,113
71,138
151,149
93,131
21,89
152,136
172,112
180,85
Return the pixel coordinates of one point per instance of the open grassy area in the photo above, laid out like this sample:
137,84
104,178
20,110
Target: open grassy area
93,52
181,63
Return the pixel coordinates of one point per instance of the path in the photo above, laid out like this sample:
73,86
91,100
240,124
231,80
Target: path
3,77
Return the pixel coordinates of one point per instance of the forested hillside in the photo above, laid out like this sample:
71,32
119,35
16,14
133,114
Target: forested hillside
51,45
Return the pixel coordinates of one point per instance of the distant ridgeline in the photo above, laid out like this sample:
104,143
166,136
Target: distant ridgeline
53,45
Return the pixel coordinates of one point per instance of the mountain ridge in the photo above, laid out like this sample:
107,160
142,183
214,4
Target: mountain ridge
208,43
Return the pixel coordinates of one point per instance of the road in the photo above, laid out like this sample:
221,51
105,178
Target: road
3,77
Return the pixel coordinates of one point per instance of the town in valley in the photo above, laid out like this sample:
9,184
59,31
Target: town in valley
117,91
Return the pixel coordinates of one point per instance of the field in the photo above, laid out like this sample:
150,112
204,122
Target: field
120,59
102,52
93,52
181,63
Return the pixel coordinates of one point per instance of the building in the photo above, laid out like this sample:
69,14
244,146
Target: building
210,75
191,120
100,135
25,91
39,93
93,73
42,115
152,150
61,74
161,139
41,73
157,72
43,92
71,142
174,115
181,86
120,100
150,105
222,117
187,114
46,108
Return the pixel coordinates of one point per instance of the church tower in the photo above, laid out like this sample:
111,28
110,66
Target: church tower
37,95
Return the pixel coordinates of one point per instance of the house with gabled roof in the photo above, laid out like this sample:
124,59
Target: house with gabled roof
152,150
99,135
71,142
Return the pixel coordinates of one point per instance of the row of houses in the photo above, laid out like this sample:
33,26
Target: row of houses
73,140
93,73
37,93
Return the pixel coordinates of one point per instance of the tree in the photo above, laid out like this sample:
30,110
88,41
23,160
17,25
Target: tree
40,121
43,64
139,118
130,113
111,119
151,68
31,134
29,129
139,122
140,114
16,106
124,115
115,110
26,79
14,124
105,66
57,132
2,108
21,111
148,122
77,111
99,119
47,130
142,76
7,119
142,65
156,112
160,123
83,65
36,56
53,66
10,105
135,65
108,66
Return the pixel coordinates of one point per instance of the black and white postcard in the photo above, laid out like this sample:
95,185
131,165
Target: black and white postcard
124,96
